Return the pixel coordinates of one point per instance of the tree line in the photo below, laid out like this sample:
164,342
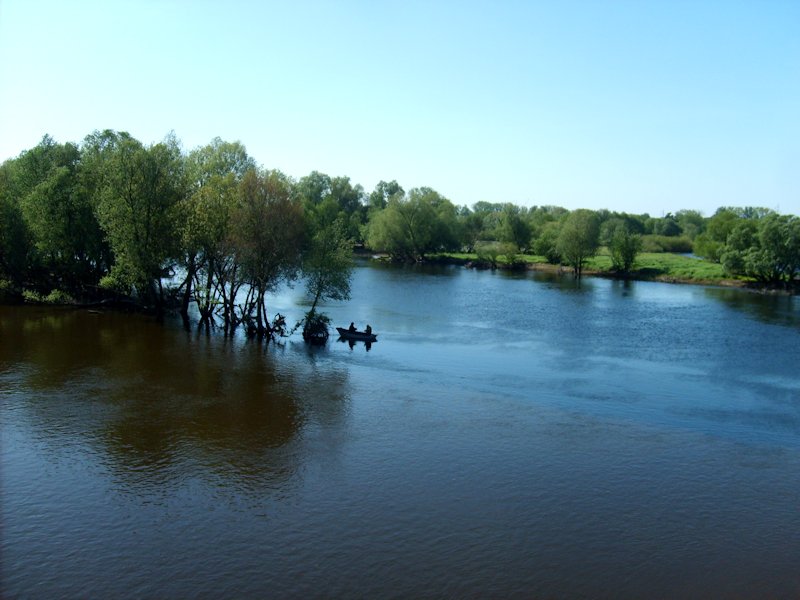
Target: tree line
167,227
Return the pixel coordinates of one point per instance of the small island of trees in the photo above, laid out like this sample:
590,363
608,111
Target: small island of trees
114,220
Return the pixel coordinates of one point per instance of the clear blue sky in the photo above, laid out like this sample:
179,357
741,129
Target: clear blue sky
641,106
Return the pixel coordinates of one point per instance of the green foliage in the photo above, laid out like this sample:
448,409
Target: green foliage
55,297
32,297
59,297
214,173
710,244
379,198
691,223
139,211
766,248
116,214
663,243
327,199
547,243
667,226
48,230
489,253
624,246
316,328
114,282
267,236
579,238
328,265
415,225
15,240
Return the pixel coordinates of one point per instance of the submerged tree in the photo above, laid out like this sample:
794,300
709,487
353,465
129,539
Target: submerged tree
214,173
328,267
267,236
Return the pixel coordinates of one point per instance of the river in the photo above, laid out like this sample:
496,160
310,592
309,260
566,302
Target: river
509,435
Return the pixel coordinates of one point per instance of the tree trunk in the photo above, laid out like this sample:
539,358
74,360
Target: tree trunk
187,293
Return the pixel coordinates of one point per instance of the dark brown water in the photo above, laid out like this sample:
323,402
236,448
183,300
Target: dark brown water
507,436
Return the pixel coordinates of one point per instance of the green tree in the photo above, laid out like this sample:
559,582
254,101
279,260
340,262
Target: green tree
624,246
514,228
139,211
388,230
471,227
61,219
379,198
691,222
667,226
546,244
15,240
411,227
766,248
268,236
711,243
214,173
578,239
328,267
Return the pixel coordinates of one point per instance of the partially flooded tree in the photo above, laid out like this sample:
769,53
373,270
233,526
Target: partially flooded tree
328,267
267,235
214,173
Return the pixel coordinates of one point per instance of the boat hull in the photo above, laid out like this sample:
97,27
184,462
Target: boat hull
358,336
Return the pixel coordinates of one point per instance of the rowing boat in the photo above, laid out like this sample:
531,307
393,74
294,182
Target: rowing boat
359,336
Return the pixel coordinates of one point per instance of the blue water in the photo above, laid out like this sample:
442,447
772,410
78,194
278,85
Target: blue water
509,435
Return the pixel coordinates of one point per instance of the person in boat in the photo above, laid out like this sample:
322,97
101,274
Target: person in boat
352,327
368,330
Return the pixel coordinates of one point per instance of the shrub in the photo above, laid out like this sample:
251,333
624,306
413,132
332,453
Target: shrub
32,297
58,297
663,243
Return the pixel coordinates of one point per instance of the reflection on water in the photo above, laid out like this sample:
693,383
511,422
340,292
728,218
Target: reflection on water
778,309
154,399
512,435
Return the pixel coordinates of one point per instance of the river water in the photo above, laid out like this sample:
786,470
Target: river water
509,435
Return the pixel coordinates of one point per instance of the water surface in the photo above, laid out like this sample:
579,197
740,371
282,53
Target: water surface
507,436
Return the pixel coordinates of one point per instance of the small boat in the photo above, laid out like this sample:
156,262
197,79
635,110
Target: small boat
359,336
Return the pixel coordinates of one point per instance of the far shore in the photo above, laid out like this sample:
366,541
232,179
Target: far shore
645,272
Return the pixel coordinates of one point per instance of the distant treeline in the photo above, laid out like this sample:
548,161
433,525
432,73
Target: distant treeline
114,216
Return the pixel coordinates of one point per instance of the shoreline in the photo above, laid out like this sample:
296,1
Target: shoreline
562,270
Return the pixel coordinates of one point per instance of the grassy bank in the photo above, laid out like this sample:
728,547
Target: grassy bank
669,267
674,268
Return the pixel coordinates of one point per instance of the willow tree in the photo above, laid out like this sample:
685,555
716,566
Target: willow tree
624,246
578,239
139,211
415,225
268,233
328,267
214,173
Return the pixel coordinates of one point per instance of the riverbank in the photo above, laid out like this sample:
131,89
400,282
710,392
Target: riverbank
660,267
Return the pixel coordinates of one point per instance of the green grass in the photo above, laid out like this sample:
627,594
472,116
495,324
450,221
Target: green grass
664,265
649,265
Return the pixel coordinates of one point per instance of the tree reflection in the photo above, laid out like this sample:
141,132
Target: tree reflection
159,406
775,309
